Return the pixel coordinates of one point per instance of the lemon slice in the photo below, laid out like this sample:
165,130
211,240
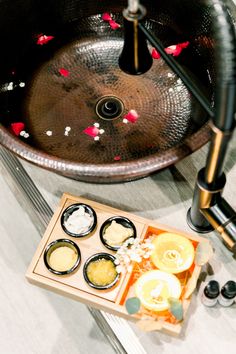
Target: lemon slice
172,253
154,288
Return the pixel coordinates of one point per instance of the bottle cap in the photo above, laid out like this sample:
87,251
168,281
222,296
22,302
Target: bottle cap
229,289
212,289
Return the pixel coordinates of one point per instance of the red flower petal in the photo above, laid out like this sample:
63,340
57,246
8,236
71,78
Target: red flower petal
64,72
17,128
131,116
91,131
114,25
106,17
43,39
170,49
117,158
155,54
184,44
175,50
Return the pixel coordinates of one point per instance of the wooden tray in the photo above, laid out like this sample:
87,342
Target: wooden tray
74,285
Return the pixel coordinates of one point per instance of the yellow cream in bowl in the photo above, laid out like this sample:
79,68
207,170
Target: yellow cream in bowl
63,258
116,234
101,272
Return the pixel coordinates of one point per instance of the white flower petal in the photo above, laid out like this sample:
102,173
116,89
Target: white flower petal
119,269
129,269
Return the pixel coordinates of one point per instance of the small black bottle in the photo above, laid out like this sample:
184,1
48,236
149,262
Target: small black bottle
211,293
228,293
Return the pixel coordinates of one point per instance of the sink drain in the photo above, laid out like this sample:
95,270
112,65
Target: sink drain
109,107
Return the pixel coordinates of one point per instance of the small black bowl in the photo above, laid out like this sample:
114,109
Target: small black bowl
96,257
68,211
60,243
120,220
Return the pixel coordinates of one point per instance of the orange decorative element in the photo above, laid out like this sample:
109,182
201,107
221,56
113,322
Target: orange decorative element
172,253
155,287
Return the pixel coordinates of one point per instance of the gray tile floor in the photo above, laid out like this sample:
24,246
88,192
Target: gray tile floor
32,320
36,321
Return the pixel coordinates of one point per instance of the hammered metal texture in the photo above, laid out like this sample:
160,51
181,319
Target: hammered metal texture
54,102
171,123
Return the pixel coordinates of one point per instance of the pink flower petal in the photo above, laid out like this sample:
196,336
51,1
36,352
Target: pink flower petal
114,25
17,128
43,39
106,17
184,44
64,72
175,50
155,54
91,131
117,158
131,116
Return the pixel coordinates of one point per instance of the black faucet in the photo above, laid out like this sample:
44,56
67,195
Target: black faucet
209,210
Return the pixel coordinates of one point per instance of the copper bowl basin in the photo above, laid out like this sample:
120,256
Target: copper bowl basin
60,73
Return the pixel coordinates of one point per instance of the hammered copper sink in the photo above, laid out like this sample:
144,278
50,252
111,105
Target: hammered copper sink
54,88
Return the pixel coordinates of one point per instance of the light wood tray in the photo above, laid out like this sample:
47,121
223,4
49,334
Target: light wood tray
74,286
